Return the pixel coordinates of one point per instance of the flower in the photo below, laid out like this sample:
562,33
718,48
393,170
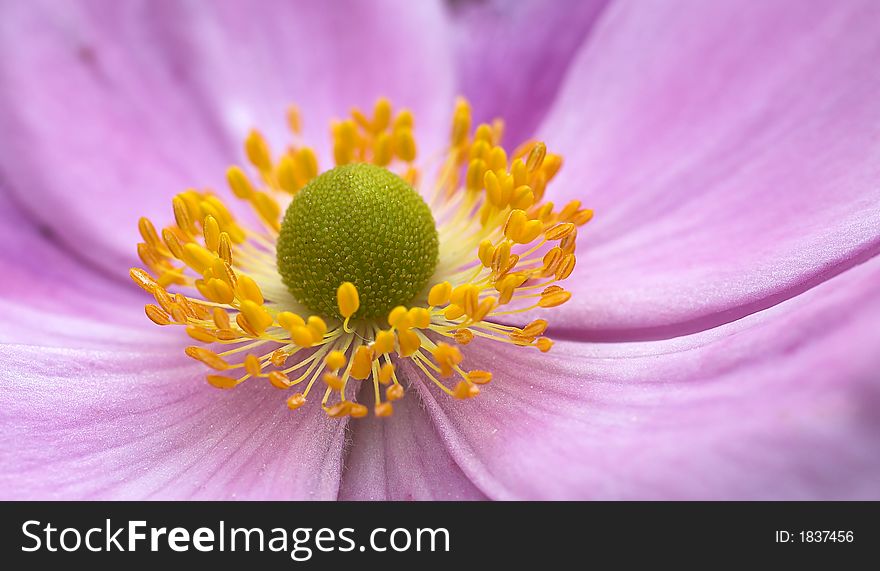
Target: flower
426,283
721,339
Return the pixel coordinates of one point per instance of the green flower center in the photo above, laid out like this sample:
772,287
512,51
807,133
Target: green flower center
362,224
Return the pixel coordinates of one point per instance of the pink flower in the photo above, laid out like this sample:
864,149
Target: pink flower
722,341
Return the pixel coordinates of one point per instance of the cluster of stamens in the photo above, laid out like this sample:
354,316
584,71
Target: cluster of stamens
502,250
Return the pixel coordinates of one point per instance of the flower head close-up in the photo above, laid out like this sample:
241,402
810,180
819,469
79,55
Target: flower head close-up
440,250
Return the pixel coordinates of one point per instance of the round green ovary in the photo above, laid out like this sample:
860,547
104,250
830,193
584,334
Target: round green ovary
362,224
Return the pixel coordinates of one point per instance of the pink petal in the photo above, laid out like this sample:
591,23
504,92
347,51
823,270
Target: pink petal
91,424
730,152
109,108
401,458
512,56
781,404
50,298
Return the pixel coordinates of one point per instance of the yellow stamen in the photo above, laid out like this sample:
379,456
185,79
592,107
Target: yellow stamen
503,251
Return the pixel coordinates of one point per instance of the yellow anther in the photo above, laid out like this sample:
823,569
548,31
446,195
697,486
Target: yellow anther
257,151
485,306
360,119
493,187
399,318
506,288
228,334
453,311
569,209
224,249
409,342
464,390
181,214
486,253
501,256
384,342
317,327
386,373
148,233
461,123
278,357
346,134
335,360
302,336
289,320
480,150
498,159
279,380
333,381
382,150
339,410
294,120
420,317
479,377
148,255
211,232
381,114
523,197
307,164
515,224
475,173
499,188
483,134
247,289
200,334
218,291
461,292
383,410
447,357
342,155
197,257
404,118
143,279
347,299
535,328
565,267
439,294
214,206
165,301
530,232
362,362
287,177
463,336
544,344
404,145
582,217
518,172
568,243
551,165
554,298
221,382
552,258
559,231
207,357
411,176
252,365
295,401
267,208
221,318
358,410
257,317
536,157
394,392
